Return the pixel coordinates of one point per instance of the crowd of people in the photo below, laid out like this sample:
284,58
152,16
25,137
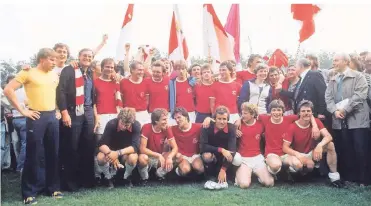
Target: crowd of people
81,124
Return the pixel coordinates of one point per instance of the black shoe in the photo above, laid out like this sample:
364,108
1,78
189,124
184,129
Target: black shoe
128,182
110,184
98,181
30,201
143,183
337,184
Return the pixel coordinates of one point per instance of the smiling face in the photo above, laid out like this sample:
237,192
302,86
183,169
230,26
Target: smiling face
196,72
276,114
262,74
108,68
162,123
291,72
247,116
305,113
274,77
62,54
221,120
181,120
224,73
85,58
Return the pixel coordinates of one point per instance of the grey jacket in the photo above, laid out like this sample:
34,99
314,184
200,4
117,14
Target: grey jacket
355,88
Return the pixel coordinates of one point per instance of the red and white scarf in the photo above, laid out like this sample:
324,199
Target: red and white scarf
79,83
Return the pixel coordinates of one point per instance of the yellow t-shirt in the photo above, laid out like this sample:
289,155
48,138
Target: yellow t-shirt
40,87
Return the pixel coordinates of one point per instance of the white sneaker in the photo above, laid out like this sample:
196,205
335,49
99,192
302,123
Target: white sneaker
223,185
210,185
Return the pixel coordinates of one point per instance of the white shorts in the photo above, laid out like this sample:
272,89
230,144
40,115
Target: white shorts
191,159
103,120
308,155
255,162
233,118
143,117
283,157
152,163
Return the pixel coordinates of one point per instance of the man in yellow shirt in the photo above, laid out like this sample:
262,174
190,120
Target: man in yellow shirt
42,125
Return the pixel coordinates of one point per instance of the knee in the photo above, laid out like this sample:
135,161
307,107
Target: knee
185,168
268,182
132,159
143,160
198,166
207,157
275,166
101,158
178,158
244,184
297,165
310,165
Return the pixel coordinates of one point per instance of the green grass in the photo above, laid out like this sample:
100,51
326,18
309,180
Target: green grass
193,194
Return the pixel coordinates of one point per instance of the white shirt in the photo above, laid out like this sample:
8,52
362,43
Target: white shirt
58,70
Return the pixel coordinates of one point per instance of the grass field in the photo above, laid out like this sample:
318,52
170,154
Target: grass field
193,194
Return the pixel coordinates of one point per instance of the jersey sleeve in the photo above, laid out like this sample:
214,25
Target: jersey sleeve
319,124
290,133
169,134
291,118
22,76
146,131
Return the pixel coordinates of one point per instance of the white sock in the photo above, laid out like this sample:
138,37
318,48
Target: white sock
270,171
143,172
334,176
106,171
128,170
160,172
178,172
97,168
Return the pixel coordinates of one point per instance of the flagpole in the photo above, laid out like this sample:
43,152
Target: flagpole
248,38
297,51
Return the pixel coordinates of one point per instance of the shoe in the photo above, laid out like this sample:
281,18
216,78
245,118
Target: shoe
110,184
57,195
128,182
337,184
143,183
98,181
210,185
30,201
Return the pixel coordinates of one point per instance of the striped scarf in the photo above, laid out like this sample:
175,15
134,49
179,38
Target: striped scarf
79,83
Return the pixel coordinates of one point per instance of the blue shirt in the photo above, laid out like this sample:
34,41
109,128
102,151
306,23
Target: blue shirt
88,87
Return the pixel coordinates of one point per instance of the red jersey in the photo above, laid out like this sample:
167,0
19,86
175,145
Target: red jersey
275,133
301,137
184,96
134,94
226,94
106,99
188,141
203,93
158,94
155,140
250,140
245,75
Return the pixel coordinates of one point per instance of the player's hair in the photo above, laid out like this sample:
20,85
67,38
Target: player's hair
62,45
356,60
273,69
45,53
250,108
277,103
364,53
314,58
182,111
191,67
157,114
161,64
106,61
133,65
303,62
227,64
259,67
126,115
305,103
181,63
86,49
344,56
251,59
206,67
221,110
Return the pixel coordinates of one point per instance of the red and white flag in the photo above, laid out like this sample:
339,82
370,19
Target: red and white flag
216,42
278,59
178,49
232,27
126,34
305,13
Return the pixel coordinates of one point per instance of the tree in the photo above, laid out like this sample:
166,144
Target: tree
8,67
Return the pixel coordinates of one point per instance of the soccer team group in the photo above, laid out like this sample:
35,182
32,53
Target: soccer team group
165,116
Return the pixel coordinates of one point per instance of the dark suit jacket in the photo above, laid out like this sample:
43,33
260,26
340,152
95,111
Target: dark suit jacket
312,88
66,90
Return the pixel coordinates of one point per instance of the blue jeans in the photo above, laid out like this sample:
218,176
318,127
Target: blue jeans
20,127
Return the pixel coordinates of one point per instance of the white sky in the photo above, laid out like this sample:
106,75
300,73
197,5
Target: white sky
27,27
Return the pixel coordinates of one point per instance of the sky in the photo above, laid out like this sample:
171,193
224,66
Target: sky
28,27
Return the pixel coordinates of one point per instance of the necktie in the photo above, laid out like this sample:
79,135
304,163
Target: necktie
297,88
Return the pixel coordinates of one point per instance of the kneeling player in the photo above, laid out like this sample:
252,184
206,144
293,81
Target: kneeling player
217,144
249,148
119,144
187,136
304,150
154,136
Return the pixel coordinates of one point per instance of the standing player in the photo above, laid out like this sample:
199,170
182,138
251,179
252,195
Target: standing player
134,92
250,133
154,137
226,92
303,150
187,137
248,74
158,87
203,92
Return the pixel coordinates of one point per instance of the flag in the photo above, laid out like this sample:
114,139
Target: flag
178,49
125,34
232,27
278,59
305,13
216,42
